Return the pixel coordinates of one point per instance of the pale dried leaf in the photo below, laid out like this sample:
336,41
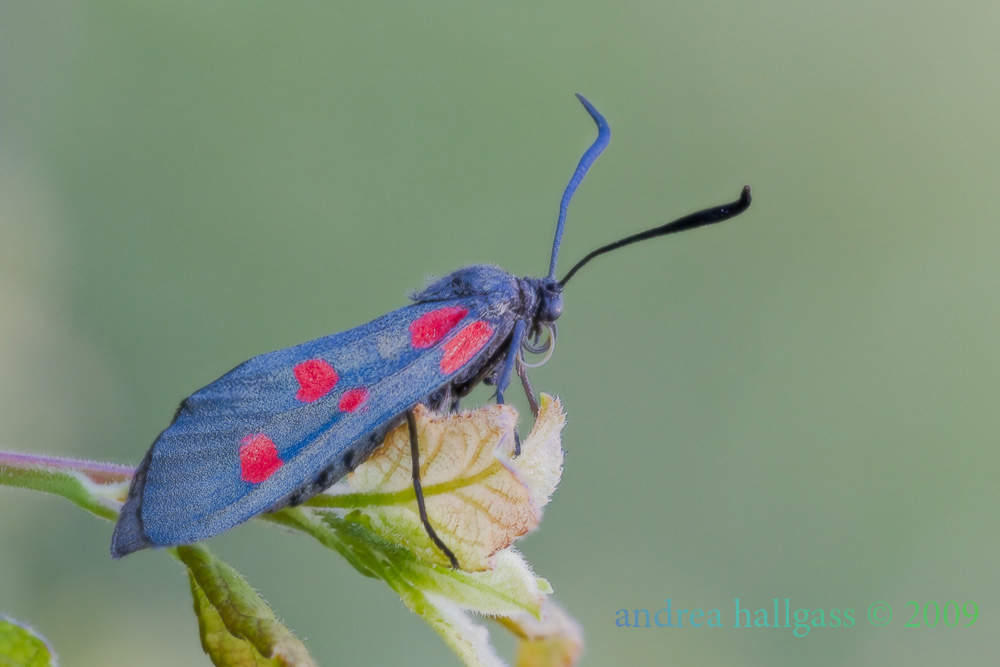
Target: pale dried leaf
540,464
479,499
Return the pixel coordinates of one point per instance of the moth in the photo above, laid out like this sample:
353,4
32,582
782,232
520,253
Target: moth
283,426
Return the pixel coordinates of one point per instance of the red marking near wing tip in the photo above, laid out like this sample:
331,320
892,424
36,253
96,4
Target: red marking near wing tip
464,345
258,458
316,379
431,327
353,399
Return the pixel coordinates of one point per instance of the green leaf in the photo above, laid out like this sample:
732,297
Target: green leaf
98,488
20,646
238,628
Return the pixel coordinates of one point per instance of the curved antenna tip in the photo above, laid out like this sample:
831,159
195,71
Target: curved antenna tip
592,110
709,216
600,143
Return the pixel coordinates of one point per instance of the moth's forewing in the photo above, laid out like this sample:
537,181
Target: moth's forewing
284,425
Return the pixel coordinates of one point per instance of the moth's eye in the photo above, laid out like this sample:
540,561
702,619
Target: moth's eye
553,308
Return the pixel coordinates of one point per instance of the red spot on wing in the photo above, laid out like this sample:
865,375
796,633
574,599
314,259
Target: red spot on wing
464,345
316,379
353,399
258,458
431,327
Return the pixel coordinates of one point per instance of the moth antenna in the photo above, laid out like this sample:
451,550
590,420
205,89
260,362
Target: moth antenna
603,137
707,217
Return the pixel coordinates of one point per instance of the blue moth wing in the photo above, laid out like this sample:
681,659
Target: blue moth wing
282,426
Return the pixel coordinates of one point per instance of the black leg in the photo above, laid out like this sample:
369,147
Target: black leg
415,455
522,373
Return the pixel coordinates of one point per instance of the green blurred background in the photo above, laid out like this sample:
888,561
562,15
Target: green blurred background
800,404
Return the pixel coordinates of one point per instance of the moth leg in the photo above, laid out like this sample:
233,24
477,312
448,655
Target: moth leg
411,421
503,381
522,372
